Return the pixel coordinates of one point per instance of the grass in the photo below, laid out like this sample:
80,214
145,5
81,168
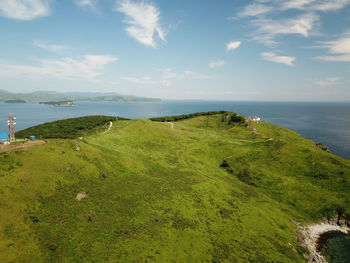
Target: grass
159,194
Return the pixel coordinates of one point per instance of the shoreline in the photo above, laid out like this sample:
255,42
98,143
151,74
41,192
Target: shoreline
311,234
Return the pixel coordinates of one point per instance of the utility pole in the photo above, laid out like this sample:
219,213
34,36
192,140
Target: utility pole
11,124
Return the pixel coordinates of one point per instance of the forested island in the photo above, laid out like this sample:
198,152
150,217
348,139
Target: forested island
59,103
15,101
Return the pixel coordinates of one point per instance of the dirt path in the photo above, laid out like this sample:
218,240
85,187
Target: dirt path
311,234
109,127
20,146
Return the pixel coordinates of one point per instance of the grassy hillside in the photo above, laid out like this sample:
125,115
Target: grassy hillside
207,190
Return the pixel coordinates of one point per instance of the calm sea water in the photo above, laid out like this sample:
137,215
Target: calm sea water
328,123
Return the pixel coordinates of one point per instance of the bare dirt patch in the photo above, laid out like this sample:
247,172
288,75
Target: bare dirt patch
20,146
81,196
109,127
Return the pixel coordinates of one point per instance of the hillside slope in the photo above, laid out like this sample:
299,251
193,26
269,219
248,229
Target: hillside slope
206,190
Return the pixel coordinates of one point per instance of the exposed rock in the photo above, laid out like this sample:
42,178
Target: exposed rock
81,196
323,147
310,236
34,219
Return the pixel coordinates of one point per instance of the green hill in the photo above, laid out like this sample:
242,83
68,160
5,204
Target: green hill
208,188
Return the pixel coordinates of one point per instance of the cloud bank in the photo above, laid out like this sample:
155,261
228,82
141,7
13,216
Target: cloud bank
87,68
331,81
50,47
216,64
24,9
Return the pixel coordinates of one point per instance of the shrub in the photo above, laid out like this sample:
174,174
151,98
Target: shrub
232,118
186,116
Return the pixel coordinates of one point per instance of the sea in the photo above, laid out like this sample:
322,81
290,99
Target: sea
323,122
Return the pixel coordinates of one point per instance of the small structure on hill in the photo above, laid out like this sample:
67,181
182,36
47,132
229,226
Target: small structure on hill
4,138
254,119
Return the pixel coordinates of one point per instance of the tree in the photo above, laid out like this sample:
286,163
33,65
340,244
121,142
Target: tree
328,212
340,212
347,217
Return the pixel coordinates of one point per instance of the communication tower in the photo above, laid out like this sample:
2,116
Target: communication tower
11,124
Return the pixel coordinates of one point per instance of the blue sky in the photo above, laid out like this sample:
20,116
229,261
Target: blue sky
271,50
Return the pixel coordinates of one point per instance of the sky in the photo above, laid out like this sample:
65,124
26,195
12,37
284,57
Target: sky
259,50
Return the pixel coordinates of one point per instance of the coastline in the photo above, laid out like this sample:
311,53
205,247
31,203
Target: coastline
310,235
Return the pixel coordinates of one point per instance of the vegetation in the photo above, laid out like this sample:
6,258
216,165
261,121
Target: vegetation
67,129
15,101
337,249
207,190
58,103
229,117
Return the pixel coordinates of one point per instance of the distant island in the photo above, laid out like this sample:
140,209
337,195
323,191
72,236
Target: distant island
15,101
51,96
59,103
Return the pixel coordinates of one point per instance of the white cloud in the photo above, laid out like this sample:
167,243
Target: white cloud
24,9
296,4
254,9
188,74
232,45
168,76
91,4
143,20
301,25
270,56
87,68
259,7
50,47
339,50
338,58
142,80
305,24
267,29
216,64
331,81
315,5
339,46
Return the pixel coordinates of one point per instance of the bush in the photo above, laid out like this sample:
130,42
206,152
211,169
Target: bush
186,116
232,118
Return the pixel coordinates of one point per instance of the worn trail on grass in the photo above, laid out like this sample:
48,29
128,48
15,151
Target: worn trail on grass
20,146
